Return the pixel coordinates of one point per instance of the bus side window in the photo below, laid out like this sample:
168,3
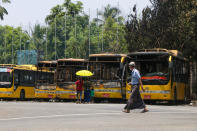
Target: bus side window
16,78
51,78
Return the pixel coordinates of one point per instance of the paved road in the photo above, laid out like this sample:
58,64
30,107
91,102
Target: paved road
44,116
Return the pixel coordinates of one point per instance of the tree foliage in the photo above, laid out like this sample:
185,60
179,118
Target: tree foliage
2,9
69,32
74,31
11,40
166,24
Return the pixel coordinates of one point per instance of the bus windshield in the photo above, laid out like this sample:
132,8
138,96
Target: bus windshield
67,75
154,72
106,71
5,79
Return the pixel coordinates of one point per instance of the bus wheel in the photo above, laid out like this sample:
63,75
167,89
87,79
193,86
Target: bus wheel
22,95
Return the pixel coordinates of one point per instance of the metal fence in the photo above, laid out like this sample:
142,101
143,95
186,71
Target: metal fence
27,57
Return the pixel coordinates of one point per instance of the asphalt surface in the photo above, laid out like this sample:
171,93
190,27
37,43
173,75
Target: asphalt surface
49,116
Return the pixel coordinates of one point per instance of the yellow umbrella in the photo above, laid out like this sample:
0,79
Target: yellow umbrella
84,73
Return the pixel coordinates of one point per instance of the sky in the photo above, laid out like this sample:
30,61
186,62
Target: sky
27,13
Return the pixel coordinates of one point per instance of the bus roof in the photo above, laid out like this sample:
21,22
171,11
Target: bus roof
107,55
43,64
158,51
7,65
48,62
25,67
107,58
72,59
72,62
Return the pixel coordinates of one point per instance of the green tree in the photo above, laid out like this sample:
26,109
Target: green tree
11,41
168,24
113,31
70,23
2,9
72,31
109,12
38,40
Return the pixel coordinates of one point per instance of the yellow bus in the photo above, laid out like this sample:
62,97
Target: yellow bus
66,77
17,81
108,79
165,74
45,80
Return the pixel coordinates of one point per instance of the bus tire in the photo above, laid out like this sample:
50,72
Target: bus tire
22,95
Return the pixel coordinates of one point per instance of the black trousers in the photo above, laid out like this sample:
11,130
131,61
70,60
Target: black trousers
135,101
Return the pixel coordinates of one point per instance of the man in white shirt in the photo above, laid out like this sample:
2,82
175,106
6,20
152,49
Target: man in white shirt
135,101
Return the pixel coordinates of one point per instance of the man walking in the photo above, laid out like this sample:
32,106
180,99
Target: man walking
135,101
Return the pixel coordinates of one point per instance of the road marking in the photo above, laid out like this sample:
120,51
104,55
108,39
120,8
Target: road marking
173,112
175,109
107,113
53,116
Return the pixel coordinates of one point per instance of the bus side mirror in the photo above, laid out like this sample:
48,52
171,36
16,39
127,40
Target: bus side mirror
170,65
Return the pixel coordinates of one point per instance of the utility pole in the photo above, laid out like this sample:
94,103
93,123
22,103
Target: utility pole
5,46
89,31
117,32
75,26
28,50
20,45
65,34
97,28
75,19
12,49
55,41
102,36
46,41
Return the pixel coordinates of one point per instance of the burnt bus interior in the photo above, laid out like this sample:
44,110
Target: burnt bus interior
66,70
105,68
108,71
45,74
153,67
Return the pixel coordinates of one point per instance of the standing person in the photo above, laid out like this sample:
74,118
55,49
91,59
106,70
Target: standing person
92,95
87,86
135,101
79,89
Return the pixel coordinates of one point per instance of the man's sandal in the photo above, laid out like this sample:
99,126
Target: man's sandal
126,111
145,110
